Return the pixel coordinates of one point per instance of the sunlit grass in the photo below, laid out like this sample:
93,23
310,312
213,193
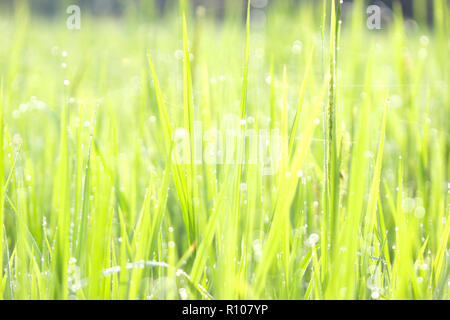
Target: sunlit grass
336,187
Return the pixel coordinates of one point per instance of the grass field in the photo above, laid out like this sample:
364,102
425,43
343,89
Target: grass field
295,154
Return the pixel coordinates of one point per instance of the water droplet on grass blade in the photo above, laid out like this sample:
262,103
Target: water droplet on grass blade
313,239
178,54
375,295
297,47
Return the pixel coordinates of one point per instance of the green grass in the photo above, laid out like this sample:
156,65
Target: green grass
336,187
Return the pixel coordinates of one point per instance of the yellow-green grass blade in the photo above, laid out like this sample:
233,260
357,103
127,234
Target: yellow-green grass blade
301,97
